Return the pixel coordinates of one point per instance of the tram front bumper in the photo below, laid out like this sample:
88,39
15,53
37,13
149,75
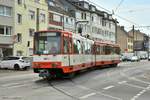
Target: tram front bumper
44,73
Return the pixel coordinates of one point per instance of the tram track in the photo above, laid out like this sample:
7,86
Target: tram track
81,86
107,73
62,91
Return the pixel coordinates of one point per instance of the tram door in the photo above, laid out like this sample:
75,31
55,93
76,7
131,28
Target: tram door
67,50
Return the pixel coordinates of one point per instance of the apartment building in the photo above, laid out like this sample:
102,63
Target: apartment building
99,25
29,16
6,27
122,39
60,17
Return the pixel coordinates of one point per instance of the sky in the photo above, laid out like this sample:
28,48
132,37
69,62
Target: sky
137,12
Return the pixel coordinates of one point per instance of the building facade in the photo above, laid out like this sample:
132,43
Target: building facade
138,40
29,16
6,27
122,39
60,17
90,21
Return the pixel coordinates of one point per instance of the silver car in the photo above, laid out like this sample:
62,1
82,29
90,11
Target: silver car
15,62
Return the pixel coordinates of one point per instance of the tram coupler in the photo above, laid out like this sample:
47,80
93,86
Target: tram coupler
44,73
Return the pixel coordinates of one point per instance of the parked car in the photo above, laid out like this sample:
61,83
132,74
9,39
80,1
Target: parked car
149,58
126,56
135,58
15,62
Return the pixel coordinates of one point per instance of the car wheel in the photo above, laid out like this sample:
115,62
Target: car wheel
16,67
25,68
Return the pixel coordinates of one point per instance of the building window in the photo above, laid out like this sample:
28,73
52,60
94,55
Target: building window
19,53
103,23
37,1
32,14
8,30
82,16
19,2
5,11
5,30
42,17
19,17
85,16
19,37
92,18
31,32
110,25
66,20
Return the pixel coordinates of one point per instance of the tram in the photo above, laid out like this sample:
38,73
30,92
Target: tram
61,53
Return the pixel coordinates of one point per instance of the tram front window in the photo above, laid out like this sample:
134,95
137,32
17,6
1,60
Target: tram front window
47,43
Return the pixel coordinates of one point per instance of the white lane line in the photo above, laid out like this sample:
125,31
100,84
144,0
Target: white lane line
82,87
133,78
107,95
108,87
10,84
122,82
139,94
136,86
14,84
18,86
88,95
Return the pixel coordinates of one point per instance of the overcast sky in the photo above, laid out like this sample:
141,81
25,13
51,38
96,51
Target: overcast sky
137,11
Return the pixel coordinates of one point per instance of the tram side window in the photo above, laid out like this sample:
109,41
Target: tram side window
70,46
86,47
76,51
79,47
102,51
117,50
97,49
83,47
65,45
107,50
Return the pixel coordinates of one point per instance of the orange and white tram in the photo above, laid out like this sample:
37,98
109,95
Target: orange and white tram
60,53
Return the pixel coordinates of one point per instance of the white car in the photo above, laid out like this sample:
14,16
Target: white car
135,58
149,58
15,62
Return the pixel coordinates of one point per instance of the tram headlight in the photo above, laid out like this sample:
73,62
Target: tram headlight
35,64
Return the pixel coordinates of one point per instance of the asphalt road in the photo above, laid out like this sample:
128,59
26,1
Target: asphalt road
128,81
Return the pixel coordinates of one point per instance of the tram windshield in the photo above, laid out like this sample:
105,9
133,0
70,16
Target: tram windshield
47,43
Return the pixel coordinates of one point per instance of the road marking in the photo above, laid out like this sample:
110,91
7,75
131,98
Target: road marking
82,87
133,78
136,86
88,95
10,84
108,87
18,86
122,82
139,94
112,97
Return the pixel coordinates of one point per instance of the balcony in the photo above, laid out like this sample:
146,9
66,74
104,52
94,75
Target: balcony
56,23
6,39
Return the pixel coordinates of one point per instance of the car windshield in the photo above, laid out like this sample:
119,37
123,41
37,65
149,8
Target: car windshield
47,43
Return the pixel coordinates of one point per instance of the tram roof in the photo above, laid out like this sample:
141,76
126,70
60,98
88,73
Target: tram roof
106,43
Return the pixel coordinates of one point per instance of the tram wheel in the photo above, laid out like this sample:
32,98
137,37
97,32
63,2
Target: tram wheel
69,75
